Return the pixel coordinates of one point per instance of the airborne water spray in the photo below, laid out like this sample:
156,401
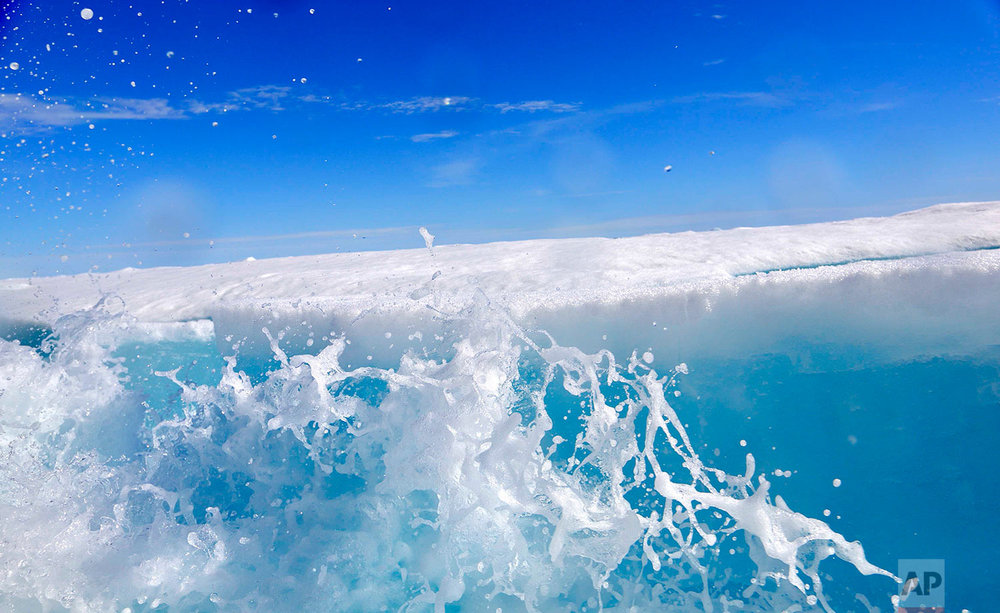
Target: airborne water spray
497,469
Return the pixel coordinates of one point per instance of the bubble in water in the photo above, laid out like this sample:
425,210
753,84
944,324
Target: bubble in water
836,483
14,65
87,14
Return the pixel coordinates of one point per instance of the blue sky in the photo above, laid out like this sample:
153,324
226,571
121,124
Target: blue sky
181,132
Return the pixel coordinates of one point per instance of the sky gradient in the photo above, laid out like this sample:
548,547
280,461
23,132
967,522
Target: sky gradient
178,133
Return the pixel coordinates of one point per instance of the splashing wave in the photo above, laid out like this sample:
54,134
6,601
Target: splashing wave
493,468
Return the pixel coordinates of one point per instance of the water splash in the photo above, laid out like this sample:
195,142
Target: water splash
495,468
428,239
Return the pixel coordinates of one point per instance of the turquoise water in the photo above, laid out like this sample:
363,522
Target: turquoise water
912,443
491,469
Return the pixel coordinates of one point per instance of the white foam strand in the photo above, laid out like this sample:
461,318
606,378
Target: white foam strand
446,458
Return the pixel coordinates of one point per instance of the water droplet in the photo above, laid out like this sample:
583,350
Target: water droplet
428,238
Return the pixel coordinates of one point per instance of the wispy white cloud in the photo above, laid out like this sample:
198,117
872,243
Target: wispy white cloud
19,109
262,97
456,172
573,122
875,107
714,62
764,99
532,106
424,104
430,104
268,97
423,138
831,103
197,107
26,110
273,98
851,108
131,108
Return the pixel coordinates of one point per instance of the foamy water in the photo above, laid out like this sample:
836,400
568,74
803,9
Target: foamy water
494,469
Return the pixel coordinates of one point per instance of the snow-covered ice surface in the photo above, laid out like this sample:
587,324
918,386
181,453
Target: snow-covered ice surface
516,426
524,275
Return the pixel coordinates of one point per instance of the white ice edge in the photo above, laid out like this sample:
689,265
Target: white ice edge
526,277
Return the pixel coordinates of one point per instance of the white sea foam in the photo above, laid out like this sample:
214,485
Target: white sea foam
439,480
